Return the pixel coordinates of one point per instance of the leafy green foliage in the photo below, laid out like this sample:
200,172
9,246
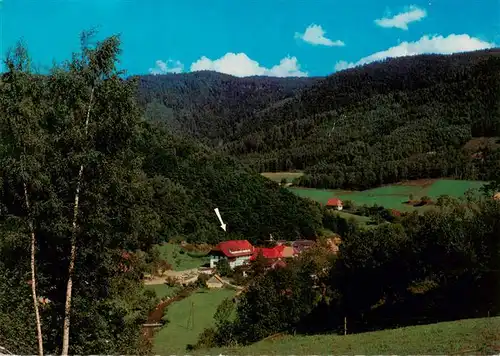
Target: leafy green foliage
141,185
223,267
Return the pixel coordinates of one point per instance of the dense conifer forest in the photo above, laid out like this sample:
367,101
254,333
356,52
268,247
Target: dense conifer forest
406,118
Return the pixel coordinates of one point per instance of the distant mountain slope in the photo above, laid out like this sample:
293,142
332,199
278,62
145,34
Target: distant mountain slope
403,118
211,105
347,88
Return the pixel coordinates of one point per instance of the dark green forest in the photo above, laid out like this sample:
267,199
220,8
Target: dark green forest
399,119
83,177
211,106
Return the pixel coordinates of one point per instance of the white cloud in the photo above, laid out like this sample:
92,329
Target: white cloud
315,35
169,66
435,44
402,20
240,65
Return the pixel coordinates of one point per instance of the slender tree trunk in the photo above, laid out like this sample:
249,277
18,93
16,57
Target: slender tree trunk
71,267
33,276
33,252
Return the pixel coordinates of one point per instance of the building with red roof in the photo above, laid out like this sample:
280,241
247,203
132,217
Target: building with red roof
335,203
274,255
237,252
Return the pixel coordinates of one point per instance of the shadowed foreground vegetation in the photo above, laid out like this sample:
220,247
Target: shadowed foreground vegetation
461,337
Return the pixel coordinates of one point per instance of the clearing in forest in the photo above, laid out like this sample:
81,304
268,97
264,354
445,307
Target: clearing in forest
278,176
396,195
181,259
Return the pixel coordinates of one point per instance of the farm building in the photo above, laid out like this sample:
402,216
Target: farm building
276,252
335,203
237,252
275,256
215,282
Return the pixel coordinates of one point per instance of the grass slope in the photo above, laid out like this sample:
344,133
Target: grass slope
393,196
180,261
179,330
161,290
472,336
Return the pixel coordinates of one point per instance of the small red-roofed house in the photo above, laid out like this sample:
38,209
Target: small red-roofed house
335,203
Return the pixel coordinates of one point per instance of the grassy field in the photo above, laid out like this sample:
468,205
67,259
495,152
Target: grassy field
393,196
472,336
180,261
362,220
180,331
278,176
162,290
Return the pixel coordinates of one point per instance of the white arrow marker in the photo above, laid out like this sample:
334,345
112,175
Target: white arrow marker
222,225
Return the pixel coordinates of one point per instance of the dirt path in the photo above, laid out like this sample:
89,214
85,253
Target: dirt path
172,274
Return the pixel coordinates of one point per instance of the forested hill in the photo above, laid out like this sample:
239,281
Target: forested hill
398,119
211,105
83,178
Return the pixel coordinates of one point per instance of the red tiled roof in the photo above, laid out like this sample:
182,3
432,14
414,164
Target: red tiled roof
279,251
274,252
334,202
235,248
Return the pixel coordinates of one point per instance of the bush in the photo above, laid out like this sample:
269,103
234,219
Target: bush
223,268
238,277
207,339
348,204
171,281
201,282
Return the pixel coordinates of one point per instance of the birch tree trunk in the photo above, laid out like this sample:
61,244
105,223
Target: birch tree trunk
33,276
32,252
71,267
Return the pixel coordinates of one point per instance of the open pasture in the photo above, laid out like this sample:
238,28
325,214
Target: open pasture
278,176
393,196
186,319
461,337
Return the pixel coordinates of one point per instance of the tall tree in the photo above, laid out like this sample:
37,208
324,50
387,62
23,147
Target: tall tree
94,66
21,131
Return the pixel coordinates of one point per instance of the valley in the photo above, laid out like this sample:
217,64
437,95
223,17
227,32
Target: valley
202,212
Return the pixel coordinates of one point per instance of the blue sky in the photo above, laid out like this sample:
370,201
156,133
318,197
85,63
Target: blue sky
252,37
